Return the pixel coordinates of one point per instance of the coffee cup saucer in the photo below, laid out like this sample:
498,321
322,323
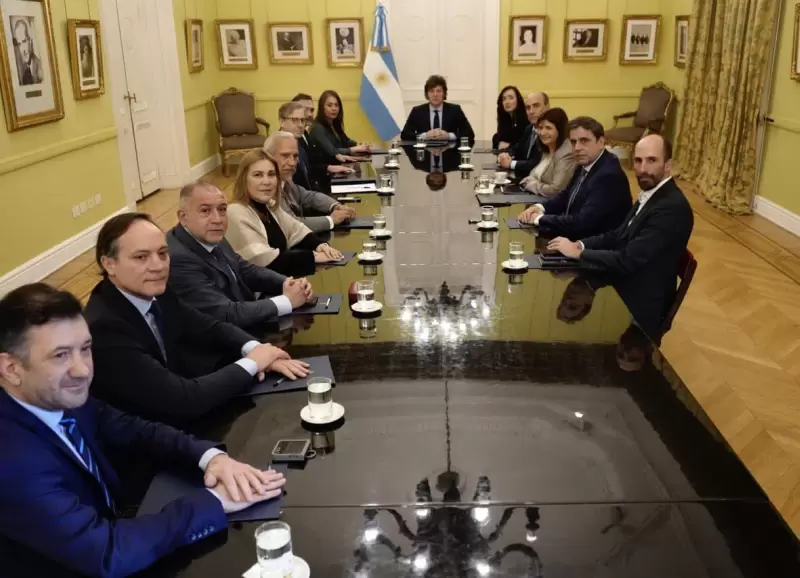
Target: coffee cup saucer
420,145
466,167
488,225
464,149
515,265
367,306
380,233
397,151
371,256
337,413
500,184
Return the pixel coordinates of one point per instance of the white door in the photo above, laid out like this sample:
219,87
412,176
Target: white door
459,39
137,23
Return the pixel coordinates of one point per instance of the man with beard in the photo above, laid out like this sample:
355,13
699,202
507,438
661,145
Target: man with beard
641,258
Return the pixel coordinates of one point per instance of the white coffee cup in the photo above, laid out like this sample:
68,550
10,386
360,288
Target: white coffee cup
500,177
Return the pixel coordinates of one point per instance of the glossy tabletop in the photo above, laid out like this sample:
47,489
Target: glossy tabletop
496,424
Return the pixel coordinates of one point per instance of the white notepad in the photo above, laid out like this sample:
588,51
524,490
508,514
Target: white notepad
358,188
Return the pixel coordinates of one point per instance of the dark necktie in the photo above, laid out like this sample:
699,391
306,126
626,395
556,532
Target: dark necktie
635,211
156,322
436,122
303,165
576,188
27,76
73,434
436,166
531,142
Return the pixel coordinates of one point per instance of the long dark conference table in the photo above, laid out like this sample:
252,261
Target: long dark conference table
496,424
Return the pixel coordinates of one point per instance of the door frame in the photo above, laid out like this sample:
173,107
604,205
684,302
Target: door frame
168,95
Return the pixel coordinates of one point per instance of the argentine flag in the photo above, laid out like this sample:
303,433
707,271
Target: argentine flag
381,98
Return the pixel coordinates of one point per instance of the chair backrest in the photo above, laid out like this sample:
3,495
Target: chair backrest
236,112
685,274
653,107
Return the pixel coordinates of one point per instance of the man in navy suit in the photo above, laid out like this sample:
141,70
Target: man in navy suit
59,495
437,120
597,198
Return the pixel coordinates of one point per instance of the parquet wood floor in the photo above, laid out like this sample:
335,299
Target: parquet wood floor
735,342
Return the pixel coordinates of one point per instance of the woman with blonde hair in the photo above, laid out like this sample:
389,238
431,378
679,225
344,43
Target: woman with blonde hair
261,231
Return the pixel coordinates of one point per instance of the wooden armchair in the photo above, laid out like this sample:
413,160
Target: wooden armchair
651,116
237,124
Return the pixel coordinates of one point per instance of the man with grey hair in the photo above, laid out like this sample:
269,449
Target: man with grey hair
316,210
525,155
210,276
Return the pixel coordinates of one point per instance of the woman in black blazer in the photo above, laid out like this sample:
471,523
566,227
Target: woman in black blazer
327,137
511,118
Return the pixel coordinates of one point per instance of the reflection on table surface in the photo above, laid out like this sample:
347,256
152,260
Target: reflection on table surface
496,424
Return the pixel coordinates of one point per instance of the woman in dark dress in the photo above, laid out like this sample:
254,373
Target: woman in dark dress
511,118
327,137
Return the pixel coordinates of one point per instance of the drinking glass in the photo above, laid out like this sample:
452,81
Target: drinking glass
274,550
420,139
386,181
365,290
395,143
369,246
465,141
487,214
320,397
379,222
484,181
465,158
515,252
390,161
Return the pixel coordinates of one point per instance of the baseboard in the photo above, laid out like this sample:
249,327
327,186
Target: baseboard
42,265
204,167
777,214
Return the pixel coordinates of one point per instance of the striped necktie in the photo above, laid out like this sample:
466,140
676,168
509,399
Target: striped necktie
156,323
73,433
576,188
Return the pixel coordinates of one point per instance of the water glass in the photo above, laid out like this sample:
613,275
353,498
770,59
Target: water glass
487,214
274,550
369,246
515,252
395,143
465,158
320,397
421,139
390,161
484,181
379,222
386,181
464,141
365,291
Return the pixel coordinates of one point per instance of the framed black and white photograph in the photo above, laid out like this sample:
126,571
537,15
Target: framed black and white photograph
585,40
345,42
290,43
237,48
681,41
527,40
86,58
796,44
639,40
28,67
195,59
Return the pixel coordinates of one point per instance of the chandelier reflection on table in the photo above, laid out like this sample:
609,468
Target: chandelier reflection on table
446,317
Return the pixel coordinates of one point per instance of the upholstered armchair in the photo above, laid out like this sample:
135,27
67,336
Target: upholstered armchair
237,124
651,116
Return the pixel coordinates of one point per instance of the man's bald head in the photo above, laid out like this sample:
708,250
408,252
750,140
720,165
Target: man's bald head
536,104
652,160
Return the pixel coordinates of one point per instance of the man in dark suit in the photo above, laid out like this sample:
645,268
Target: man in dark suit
523,156
206,273
438,120
641,258
597,198
156,356
60,497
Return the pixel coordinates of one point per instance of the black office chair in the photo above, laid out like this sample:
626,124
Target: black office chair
685,274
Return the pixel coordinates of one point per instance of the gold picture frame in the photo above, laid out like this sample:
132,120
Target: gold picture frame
195,53
527,40
86,58
31,95
796,45
592,46
341,52
236,42
681,40
290,43
640,36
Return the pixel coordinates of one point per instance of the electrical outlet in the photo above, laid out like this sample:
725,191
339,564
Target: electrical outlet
90,203
76,212
97,199
83,207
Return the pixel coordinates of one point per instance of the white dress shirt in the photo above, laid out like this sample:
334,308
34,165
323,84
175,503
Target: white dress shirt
52,419
143,307
440,110
587,169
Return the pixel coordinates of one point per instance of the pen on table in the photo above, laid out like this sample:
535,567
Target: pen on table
280,381
328,302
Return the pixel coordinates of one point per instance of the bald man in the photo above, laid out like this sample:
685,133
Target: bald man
642,257
522,157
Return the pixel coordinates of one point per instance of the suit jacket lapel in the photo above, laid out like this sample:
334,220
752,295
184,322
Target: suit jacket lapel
227,253
126,309
636,222
190,243
85,417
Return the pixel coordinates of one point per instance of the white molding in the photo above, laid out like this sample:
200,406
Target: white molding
777,214
42,265
491,64
204,167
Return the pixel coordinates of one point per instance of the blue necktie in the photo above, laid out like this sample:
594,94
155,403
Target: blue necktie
72,432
